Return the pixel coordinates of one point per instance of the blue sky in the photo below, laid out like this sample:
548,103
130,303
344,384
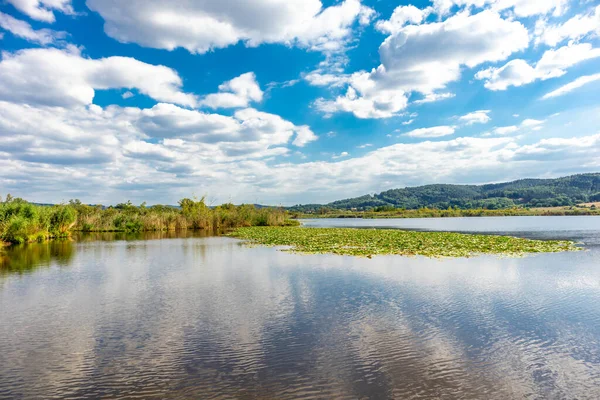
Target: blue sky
286,102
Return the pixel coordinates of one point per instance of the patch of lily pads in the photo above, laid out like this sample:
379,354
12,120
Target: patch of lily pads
373,242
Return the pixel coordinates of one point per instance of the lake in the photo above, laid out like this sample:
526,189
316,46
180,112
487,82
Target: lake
189,316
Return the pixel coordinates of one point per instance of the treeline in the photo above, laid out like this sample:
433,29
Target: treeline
560,192
391,212
21,221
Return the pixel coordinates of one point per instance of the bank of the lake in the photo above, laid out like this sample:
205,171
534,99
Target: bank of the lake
387,213
24,222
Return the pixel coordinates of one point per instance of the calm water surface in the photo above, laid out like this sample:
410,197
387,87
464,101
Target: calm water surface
207,317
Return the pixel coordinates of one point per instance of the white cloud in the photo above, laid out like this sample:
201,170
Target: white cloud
505,130
318,78
527,125
569,87
425,58
303,136
382,104
521,8
23,30
402,16
552,64
410,121
105,154
364,146
561,149
164,137
236,93
127,95
433,132
42,10
433,97
341,155
65,78
476,117
574,28
246,125
531,123
200,26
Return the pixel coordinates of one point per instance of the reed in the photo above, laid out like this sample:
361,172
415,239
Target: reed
22,222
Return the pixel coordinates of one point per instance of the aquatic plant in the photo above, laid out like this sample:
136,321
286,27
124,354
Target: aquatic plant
371,242
22,222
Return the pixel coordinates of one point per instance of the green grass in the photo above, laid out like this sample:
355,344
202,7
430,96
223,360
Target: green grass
371,242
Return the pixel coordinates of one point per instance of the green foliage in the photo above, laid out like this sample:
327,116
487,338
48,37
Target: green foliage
22,222
567,191
62,219
370,242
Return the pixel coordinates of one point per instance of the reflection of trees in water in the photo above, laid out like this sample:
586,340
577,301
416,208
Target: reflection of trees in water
25,258
29,257
149,235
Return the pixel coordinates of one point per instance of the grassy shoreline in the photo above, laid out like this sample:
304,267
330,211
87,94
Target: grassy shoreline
372,242
23,222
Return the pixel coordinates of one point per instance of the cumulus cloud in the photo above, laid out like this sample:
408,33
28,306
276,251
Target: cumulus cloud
200,26
569,87
553,63
425,58
236,93
433,132
528,124
66,78
476,117
402,15
164,133
367,103
574,28
505,130
320,78
105,154
23,30
246,125
42,10
303,136
521,8
56,144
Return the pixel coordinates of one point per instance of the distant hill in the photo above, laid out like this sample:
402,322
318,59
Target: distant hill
570,190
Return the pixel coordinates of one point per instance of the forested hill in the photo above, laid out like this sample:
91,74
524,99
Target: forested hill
570,190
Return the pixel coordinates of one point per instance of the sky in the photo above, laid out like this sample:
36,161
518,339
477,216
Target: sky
292,101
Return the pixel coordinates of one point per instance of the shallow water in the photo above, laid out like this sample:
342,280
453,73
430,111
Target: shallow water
208,317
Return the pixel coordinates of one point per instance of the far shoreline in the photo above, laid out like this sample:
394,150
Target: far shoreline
454,213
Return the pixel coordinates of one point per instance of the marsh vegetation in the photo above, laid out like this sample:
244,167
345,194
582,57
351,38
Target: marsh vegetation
371,242
21,221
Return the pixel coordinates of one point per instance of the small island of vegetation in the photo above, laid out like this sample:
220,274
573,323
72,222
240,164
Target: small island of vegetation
372,242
